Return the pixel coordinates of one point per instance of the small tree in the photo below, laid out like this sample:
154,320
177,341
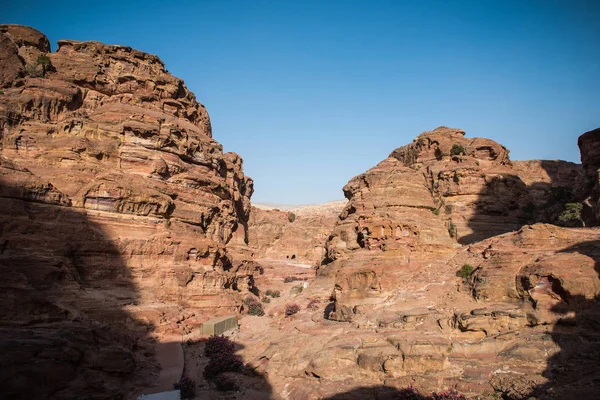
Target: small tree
254,306
571,214
291,216
451,229
465,271
457,150
45,63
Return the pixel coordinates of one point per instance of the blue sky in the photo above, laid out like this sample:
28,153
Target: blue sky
312,93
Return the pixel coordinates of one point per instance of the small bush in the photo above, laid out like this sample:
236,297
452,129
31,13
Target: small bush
465,271
186,387
291,309
224,383
571,213
44,61
291,216
254,306
435,211
449,394
451,229
217,345
226,362
457,150
273,293
266,299
313,304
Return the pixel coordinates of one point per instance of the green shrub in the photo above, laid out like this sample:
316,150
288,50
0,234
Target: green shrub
465,271
273,293
291,216
571,213
436,211
44,61
457,150
254,306
451,229
266,299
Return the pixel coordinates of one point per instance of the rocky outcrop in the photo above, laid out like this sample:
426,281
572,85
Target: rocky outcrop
296,236
589,146
117,208
399,314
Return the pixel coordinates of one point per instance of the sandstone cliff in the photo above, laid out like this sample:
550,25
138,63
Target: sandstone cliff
296,236
117,207
522,324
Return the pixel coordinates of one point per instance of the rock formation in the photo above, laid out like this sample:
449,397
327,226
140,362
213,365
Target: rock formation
514,325
124,222
295,236
117,207
589,146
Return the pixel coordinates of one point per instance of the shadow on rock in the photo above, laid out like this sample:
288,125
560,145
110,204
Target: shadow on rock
506,203
64,329
574,371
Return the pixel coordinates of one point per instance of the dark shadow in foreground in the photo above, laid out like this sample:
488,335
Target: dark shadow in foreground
64,332
574,372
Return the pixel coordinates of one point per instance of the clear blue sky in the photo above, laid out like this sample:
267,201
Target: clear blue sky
312,93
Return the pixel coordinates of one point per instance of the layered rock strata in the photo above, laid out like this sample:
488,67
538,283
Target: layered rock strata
521,325
296,236
117,208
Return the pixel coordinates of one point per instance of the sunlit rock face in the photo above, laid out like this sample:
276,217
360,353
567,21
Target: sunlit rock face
399,314
296,237
117,205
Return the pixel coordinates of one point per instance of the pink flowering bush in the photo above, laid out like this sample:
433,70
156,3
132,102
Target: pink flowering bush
217,345
291,309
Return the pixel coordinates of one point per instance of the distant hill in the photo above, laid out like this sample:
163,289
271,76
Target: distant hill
304,209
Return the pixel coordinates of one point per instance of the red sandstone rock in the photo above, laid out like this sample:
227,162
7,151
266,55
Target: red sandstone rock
117,207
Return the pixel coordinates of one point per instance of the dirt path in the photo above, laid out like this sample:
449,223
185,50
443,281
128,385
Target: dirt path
169,355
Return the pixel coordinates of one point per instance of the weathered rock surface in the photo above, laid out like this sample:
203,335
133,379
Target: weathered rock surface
589,146
296,236
521,324
117,208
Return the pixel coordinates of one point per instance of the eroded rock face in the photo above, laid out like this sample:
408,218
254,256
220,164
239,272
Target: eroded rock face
589,146
117,207
296,236
403,315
